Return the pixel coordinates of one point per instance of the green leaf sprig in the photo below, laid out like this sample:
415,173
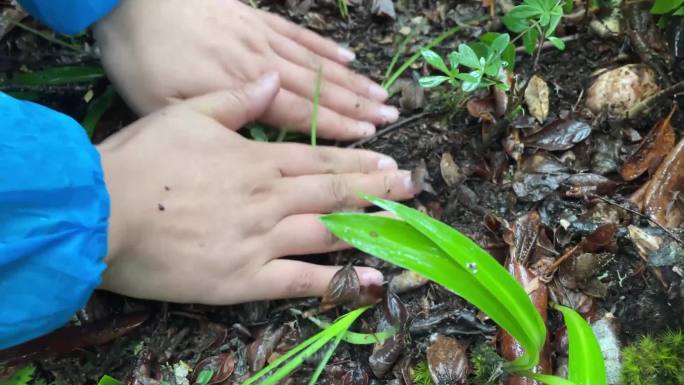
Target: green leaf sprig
536,21
483,70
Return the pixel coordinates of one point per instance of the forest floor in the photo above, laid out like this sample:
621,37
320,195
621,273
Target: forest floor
536,176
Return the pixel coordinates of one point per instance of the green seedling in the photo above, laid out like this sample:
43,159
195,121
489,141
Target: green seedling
204,376
357,338
22,377
435,250
668,7
535,21
288,362
107,380
421,374
57,76
343,5
483,70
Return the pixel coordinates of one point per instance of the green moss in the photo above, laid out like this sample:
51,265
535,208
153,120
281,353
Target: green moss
487,365
421,374
654,360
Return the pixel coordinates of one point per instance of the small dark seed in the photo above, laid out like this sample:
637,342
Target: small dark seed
161,207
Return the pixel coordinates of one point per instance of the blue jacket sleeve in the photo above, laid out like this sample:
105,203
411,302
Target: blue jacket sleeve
68,16
54,208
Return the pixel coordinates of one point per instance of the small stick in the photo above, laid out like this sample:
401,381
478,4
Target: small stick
650,102
665,229
391,128
563,258
548,44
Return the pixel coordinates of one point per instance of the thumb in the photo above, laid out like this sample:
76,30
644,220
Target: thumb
236,107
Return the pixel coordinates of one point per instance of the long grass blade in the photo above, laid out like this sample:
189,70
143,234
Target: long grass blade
316,104
585,360
324,360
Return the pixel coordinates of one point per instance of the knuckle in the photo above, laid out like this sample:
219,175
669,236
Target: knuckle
324,160
339,191
301,285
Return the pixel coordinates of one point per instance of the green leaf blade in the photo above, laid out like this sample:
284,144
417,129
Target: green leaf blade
661,7
585,363
432,81
436,61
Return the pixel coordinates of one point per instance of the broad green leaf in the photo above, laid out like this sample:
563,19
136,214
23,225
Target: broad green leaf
447,257
453,61
544,19
585,360
432,58
468,57
492,68
498,45
96,108
661,7
22,376
679,12
58,76
556,16
539,4
432,81
107,380
558,43
568,6
503,87
480,48
524,12
515,25
548,379
508,54
530,39
204,376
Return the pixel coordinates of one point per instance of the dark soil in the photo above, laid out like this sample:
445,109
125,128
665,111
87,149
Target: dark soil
633,293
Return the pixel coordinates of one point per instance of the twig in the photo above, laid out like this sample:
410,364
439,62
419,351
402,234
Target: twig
651,101
547,44
665,229
391,128
49,38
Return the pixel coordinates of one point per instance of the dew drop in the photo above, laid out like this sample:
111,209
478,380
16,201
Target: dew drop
472,266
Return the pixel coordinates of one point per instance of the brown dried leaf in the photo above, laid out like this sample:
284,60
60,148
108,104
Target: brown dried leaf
537,98
655,146
344,288
447,361
356,376
451,173
561,134
384,356
482,108
265,343
221,365
585,183
663,188
542,163
384,8
602,239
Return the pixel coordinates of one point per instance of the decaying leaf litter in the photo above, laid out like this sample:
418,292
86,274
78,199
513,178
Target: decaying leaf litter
579,197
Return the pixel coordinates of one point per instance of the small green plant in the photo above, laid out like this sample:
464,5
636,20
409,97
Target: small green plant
483,70
107,380
654,360
288,362
421,374
417,242
668,7
21,377
316,104
343,5
535,21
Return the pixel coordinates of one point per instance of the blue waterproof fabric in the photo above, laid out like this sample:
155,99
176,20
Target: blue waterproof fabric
54,208
68,16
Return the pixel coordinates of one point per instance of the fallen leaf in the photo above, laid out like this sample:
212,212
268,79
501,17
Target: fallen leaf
655,146
384,8
537,98
667,182
447,360
561,134
221,366
580,185
260,350
344,288
451,173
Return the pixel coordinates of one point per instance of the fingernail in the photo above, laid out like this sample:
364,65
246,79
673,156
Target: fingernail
365,129
389,114
387,164
368,277
378,93
346,55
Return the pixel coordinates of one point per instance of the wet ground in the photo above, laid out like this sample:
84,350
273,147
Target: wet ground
571,194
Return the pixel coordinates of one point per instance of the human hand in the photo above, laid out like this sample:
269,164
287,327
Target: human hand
158,51
200,214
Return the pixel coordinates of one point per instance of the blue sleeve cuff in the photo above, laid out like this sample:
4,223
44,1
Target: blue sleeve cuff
68,16
54,208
